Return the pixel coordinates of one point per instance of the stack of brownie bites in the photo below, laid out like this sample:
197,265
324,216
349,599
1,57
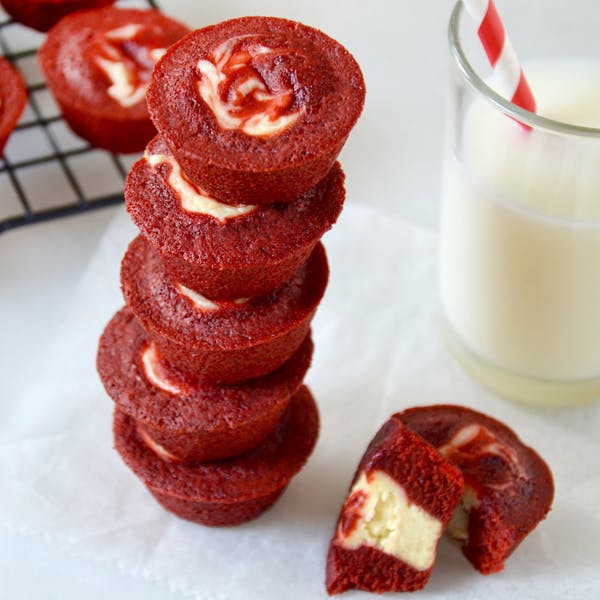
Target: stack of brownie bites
206,362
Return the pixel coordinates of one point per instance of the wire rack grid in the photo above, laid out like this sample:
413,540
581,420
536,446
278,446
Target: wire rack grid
48,172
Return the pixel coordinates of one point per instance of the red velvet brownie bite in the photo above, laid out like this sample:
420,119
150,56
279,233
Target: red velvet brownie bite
403,495
181,419
13,98
98,63
226,492
508,486
44,14
256,109
220,341
220,250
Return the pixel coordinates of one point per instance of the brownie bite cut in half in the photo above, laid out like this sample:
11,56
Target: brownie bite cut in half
221,250
256,109
44,14
183,420
97,63
226,492
403,495
221,341
508,487
13,98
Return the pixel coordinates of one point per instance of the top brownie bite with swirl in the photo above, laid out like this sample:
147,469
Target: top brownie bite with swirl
256,109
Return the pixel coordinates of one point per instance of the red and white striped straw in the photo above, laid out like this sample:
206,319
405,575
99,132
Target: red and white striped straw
508,78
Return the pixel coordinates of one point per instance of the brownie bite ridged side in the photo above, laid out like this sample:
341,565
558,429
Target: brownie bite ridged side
214,248
225,343
508,487
225,492
403,495
97,64
13,98
44,14
256,109
184,419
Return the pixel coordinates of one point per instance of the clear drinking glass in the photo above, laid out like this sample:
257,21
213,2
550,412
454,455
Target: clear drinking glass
520,225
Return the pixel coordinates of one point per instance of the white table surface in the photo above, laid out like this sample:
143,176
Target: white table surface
392,161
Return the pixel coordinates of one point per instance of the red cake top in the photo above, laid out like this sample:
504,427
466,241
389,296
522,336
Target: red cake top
183,221
256,90
180,313
13,97
121,364
104,57
258,472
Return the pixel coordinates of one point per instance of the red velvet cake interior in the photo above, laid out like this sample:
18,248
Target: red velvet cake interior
403,495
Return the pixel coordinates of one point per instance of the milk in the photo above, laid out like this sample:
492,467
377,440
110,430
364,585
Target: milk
520,247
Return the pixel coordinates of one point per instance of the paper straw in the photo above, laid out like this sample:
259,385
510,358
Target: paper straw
508,78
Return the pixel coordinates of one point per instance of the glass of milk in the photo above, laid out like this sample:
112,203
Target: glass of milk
520,226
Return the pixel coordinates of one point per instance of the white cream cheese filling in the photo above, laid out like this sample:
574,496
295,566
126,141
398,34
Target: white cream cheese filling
124,33
126,86
156,447
228,112
388,520
192,198
201,302
149,358
458,527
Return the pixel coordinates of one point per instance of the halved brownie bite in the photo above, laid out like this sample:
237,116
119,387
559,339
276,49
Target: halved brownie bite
44,14
256,109
224,492
221,250
508,487
403,495
13,98
221,341
183,420
98,63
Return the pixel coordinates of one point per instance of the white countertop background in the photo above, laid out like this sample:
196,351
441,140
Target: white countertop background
392,162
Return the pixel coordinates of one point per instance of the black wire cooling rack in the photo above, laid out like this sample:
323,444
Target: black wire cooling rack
47,172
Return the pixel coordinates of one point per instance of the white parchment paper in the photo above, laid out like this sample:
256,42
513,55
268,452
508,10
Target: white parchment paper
378,350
